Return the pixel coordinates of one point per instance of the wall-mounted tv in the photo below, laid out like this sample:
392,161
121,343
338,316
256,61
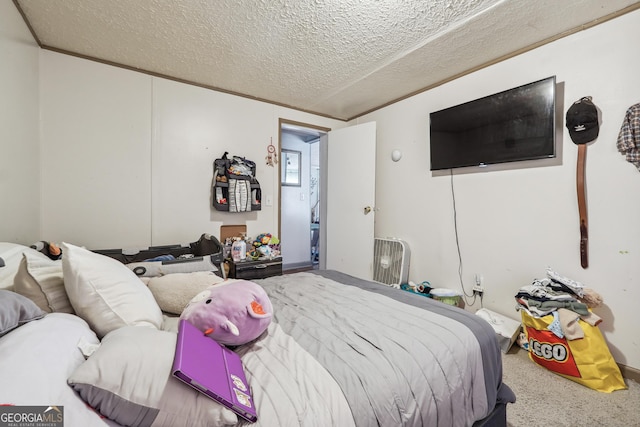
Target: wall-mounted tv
517,124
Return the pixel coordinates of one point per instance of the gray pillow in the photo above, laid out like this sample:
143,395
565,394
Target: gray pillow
128,380
16,310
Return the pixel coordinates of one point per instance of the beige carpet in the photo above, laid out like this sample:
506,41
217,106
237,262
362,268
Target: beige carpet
547,399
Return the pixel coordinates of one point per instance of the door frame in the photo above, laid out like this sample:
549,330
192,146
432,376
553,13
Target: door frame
282,121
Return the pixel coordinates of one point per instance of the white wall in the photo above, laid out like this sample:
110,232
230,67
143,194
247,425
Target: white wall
515,220
19,155
96,125
131,155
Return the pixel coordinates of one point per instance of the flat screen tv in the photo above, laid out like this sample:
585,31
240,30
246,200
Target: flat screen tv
514,125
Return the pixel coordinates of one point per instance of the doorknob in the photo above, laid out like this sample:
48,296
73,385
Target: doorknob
367,209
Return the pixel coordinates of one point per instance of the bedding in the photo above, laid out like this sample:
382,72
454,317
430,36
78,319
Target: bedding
174,291
16,310
40,279
11,254
36,360
398,358
105,293
340,351
130,390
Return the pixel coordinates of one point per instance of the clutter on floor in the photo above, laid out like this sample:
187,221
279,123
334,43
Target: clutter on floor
507,330
205,254
421,289
447,296
562,332
444,295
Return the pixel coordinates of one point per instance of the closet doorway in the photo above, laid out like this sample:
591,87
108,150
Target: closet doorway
300,218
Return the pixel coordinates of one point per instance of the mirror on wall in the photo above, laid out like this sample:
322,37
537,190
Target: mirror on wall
291,170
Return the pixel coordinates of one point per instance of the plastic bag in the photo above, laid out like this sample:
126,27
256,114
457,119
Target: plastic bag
586,360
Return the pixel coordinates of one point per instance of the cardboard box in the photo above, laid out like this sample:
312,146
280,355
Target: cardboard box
232,231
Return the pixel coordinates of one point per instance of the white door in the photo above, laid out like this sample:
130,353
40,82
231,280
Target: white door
346,240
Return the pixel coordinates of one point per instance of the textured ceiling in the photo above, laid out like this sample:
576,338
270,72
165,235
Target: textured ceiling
338,58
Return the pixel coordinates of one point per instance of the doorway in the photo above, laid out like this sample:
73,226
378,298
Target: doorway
299,218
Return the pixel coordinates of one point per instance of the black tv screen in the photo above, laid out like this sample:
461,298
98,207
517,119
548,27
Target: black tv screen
517,124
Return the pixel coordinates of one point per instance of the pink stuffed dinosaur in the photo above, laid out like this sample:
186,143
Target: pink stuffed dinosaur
231,313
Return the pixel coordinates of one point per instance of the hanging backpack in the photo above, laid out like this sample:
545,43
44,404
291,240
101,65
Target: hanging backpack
235,187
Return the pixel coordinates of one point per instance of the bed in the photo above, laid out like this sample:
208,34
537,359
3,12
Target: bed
340,351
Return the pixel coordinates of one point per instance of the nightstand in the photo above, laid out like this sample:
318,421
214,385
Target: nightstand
258,269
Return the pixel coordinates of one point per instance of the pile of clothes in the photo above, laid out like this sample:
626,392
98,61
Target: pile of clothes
561,333
565,299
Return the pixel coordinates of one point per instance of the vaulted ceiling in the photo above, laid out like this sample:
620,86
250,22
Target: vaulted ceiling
337,58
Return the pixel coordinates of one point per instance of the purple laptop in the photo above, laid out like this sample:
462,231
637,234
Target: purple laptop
213,370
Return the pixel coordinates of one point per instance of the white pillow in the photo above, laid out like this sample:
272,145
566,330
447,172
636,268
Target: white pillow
11,254
37,358
40,279
174,291
128,380
105,293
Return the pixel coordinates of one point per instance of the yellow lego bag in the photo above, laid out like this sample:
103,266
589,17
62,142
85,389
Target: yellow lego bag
586,360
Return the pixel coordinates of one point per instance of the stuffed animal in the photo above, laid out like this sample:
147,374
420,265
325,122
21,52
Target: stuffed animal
50,249
231,313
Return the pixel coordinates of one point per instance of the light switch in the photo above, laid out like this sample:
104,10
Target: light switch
268,200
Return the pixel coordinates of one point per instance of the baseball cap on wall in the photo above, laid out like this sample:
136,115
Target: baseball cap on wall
582,121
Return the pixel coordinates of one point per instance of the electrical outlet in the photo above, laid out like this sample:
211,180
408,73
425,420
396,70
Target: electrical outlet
478,289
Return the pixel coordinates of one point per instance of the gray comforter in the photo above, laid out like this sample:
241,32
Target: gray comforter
370,355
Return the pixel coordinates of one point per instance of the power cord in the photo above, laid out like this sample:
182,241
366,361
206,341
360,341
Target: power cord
455,227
